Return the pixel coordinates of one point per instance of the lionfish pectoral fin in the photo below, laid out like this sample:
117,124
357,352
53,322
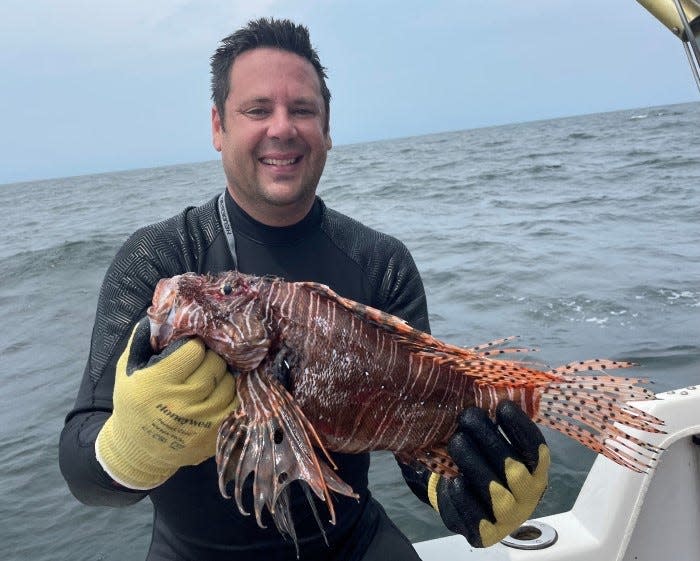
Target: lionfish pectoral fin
232,434
270,438
314,510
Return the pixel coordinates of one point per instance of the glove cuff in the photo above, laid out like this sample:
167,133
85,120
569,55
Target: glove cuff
127,464
432,490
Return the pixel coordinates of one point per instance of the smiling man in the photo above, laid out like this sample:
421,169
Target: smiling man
146,425
273,134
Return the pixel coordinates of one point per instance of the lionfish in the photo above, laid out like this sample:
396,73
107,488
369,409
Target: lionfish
357,379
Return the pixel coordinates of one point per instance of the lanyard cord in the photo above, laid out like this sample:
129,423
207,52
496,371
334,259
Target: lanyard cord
228,230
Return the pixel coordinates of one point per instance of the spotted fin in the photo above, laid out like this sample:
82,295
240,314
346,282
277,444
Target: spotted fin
436,460
592,409
589,408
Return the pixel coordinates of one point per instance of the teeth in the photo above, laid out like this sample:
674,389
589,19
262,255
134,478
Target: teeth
274,162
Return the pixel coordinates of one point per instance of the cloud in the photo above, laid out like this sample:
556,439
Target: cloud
107,84
126,24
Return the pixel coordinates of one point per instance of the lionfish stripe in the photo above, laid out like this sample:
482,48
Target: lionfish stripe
312,339
385,423
430,381
401,434
358,420
433,433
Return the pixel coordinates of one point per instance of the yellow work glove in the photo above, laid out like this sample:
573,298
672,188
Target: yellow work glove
501,479
167,410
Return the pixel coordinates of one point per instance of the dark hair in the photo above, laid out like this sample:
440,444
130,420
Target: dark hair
264,32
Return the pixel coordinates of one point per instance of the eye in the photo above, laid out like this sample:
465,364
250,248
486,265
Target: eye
226,289
302,111
257,112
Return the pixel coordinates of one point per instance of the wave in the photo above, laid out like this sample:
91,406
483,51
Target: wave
657,163
668,296
78,255
541,168
629,308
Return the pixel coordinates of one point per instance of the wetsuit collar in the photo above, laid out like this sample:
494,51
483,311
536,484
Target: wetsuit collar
245,225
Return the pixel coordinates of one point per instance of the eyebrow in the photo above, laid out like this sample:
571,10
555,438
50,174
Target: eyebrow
296,101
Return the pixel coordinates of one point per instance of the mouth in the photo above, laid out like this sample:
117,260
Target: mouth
280,162
162,313
161,335
162,323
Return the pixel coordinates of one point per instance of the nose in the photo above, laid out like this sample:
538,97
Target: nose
282,125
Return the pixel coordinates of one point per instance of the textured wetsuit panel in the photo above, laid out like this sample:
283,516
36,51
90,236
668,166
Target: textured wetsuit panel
391,275
148,255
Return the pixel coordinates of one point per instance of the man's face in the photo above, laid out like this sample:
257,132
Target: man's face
273,141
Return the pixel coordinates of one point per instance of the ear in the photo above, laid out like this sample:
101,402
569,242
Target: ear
217,130
327,132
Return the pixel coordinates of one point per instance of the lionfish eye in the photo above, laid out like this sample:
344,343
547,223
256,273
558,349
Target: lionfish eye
226,289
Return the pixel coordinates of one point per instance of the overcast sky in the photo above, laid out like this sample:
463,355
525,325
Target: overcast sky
109,85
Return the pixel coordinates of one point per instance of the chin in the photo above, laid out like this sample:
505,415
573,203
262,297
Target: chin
288,197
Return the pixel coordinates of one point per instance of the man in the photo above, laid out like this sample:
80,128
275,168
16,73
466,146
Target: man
146,425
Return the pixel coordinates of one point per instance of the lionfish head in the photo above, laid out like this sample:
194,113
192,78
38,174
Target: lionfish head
189,304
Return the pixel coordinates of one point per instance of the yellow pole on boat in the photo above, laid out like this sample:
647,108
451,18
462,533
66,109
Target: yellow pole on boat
682,17
666,11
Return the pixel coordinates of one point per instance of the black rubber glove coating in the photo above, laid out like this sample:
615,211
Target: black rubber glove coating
481,451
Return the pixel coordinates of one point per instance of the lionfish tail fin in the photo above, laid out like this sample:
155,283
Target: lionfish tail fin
593,410
269,438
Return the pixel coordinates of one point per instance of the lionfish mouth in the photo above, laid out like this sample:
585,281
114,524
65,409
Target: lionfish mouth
161,314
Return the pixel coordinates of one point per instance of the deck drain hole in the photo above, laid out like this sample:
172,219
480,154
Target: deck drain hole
531,535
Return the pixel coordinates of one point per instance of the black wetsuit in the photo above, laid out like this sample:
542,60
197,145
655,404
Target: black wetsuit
191,520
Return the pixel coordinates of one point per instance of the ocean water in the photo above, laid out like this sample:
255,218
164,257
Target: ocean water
580,235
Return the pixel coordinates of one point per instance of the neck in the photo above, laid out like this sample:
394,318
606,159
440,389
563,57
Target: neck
276,216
